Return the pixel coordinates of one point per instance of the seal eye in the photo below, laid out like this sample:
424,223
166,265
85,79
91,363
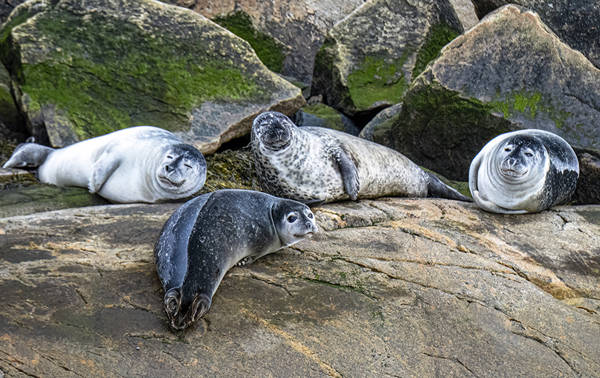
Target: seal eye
310,215
169,157
507,149
528,154
292,218
187,165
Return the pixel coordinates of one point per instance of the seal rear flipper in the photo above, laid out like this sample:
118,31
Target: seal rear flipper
349,173
101,171
436,188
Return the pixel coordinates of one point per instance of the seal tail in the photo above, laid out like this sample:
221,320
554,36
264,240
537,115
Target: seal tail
437,188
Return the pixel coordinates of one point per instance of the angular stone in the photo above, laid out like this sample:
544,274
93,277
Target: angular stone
85,69
370,57
588,184
380,125
286,35
322,115
402,287
508,72
574,21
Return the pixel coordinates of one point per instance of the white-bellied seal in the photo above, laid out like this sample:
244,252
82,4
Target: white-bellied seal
210,234
523,171
137,164
314,164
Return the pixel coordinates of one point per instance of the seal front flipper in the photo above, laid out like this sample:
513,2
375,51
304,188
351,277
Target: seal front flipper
101,171
349,172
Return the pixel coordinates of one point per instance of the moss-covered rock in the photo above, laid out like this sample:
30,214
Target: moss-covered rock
325,116
368,59
509,72
286,34
379,126
103,65
230,170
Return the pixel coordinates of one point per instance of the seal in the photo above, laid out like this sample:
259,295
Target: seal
314,164
211,233
523,171
137,164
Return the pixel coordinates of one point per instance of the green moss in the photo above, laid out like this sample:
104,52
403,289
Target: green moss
438,36
230,170
529,104
107,75
332,118
269,51
377,79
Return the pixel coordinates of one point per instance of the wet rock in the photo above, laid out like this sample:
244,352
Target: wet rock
325,116
286,35
574,21
391,287
588,184
508,72
370,57
104,65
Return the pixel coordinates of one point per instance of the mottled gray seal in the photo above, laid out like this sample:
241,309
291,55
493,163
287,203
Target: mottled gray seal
210,234
137,164
314,164
522,172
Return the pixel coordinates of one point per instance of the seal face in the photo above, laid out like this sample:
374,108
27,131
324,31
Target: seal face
138,164
523,171
314,164
211,233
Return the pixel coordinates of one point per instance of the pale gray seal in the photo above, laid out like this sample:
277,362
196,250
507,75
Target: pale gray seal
314,164
522,172
137,164
210,234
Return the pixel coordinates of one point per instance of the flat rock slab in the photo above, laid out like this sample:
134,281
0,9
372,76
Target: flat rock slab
397,287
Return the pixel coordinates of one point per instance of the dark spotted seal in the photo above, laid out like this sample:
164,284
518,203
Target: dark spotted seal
210,234
523,172
314,164
138,164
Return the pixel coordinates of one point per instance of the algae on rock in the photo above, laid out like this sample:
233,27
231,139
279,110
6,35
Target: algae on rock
101,66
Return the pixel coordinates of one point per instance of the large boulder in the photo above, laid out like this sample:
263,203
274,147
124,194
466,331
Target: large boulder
285,34
7,6
394,287
509,72
369,58
574,21
322,115
83,69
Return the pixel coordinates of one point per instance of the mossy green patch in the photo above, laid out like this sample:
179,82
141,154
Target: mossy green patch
230,170
378,79
269,51
107,75
529,104
439,35
332,118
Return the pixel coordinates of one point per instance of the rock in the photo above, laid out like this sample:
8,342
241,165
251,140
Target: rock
508,72
9,114
6,7
230,170
369,58
588,184
286,35
325,116
380,125
391,287
575,22
103,65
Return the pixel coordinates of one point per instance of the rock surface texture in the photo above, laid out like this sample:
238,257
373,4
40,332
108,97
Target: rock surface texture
370,57
574,21
297,28
83,69
395,287
475,91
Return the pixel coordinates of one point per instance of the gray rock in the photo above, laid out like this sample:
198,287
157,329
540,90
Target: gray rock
103,65
370,57
325,116
396,287
574,21
508,72
6,7
588,184
380,125
286,34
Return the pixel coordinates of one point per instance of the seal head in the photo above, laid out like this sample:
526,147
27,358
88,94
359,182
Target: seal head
274,130
182,170
28,155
